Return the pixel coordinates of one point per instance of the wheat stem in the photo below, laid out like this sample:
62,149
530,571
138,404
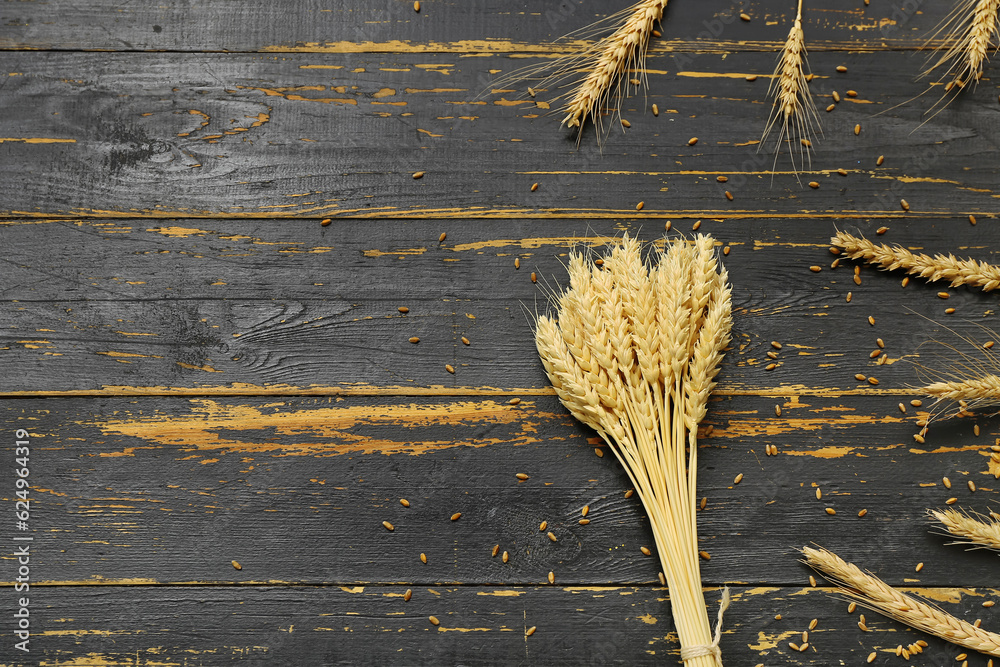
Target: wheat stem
876,594
938,267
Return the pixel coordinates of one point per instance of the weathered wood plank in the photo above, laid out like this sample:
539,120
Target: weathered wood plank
314,135
243,307
372,625
170,490
485,26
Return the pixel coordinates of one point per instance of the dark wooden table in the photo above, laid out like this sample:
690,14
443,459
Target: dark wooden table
223,406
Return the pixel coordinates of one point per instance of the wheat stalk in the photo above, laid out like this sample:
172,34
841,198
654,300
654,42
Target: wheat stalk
793,112
970,29
938,267
600,73
621,52
876,594
634,355
966,373
969,526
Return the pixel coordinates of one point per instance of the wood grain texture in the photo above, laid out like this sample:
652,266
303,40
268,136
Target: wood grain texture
169,490
441,26
224,406
340,135
372,625
291,307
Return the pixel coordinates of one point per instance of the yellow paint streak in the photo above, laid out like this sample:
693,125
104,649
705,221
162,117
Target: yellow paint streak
435,90
280,92
767,640
926,179
501,594
101,660
772,427
723,75
36,140
385,92
393,253
177,232
81,633
207,369
364,389
212,426
130,354
441,628
353,589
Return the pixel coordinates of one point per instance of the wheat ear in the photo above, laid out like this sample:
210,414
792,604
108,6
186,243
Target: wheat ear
939,267
970,29
793,114
971,527
621,52
876,594
952,374
596,77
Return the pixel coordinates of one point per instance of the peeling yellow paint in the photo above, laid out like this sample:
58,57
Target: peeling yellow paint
501,594
768,640
649,619
212,426
392,253
206,368
177,232
130,354
37,140
441,628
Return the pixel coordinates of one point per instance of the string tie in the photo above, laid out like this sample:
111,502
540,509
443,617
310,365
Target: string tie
699,650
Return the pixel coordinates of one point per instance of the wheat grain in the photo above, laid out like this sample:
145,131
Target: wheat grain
933,268
879,596
793,113
969,527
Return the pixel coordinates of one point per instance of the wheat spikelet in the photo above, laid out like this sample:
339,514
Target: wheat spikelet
933,268
793,114
634,355
876,594
969,31
969,526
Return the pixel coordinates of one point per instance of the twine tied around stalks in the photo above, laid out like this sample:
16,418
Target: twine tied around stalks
697,651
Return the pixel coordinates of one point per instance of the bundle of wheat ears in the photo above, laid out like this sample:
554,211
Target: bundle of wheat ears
633,355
